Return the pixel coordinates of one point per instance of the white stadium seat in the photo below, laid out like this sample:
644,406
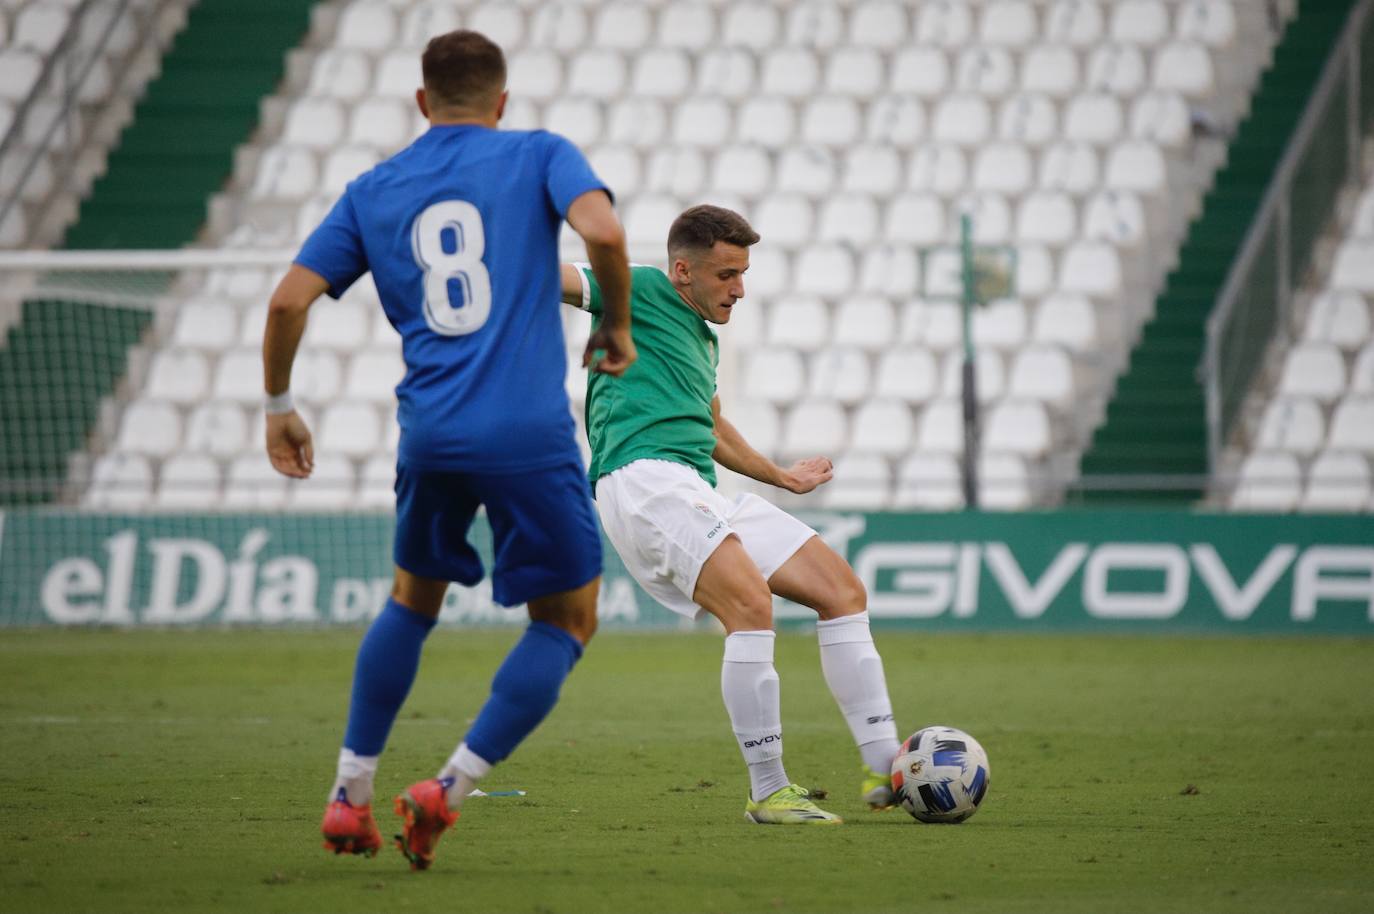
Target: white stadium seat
862,482
1093,118
425,20
879,24
1137,165
648,218
743,170
150,427
596,73
501,22
1292,424
19,71
789,73
1018,427
373,376
1212,22
907,373
1354,267
40,26
381,123
1114,216
944,23
1079,23
774,375
816,23
754,25
891,270
992,221
1268,482
856,72
1051,69
317,376
688,25
1163,118
350,429
799,323
1043,373
188,481
238,376
622,25
377,483
1314,370
727,73
989,376
940,429
985,71
1066,320
1118,69
1143,22
251,484
677,171
343,165
366,26
578,119
286,173
1047,217
661,73
882,427
936,325
120,482
637,122
1034,271
618,166
849,219
537,74
760,423
769,122
930,482
1184,67
840,374
917,219
344,74
1008,23
179,376
1091,268
1004,168
1337,481
770,272
785,219
814,428
211,325
1003,482
921,70
937,168
336,325
1070,167
826,270
216,427
1000,324
702,122
871,169
1362,375
1340,318
1029,118
866,322
1352,425
961,119
330,486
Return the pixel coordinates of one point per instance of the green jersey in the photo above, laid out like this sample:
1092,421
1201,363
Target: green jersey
661,407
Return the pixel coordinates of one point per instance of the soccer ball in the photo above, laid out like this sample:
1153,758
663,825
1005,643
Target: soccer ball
940,775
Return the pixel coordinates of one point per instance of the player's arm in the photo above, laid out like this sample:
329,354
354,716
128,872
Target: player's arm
289,445
592,216
734,453
571,280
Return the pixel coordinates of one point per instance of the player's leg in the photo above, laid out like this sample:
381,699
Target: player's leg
816,576
384,671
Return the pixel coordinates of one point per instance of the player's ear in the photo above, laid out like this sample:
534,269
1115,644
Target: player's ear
501,104
422,102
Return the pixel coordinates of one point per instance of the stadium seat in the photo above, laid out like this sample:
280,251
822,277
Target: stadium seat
906,373
915,218
879,24
216,427
1003,168
1118,69
366,26
1091,268
785,220
767,122
639,123
1094,118
503,23
937,168
211,325
1078,23
921,70
397,76
1340,318
1292,424
1267,482
871,169
865,322
423,21
774,376
1008,23
1212,22
753,25
991,213
188,481
826,270
985,71
989,376
377,483
1362,375
1163,118
330,486
40,26
1116,217
1034,271
834,120
596,73
251,484
1314,370
1354,267
537,74
854,71
339,325
626,26
238,376
373,376
890,270
687,25
839,374
343,165
930,482
743,170
1070,167
1066,320
862,482
618,166
179,376
679,171
1144,22
849,219
648,218
937,325
961,119
727,73
1337,481
1050,69
1000,324
19,71
349,429
1047,217
1352,425
1184,67
759,421
1018,427
940,430
285,173
661,73
1043,373
789,73
120,482
1003,482
578,119
770,272
799,323
944,24
882,427
340,73
383,124
1137,165
813,428
317,376
151,427
1028,118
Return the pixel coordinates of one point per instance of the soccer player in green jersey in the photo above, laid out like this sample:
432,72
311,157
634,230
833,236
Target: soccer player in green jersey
656,434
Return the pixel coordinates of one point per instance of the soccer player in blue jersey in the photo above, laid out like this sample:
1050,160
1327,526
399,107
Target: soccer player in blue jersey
460,231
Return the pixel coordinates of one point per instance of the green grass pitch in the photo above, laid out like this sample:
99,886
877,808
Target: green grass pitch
186,771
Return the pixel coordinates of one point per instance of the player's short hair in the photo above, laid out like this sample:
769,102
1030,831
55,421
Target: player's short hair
699,228
463,69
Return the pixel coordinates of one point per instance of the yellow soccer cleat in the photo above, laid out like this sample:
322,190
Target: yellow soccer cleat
789,806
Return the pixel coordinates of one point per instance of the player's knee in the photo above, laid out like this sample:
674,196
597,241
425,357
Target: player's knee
851,597
754,609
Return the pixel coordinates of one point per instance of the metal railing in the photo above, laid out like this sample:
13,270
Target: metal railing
1323,157
46,123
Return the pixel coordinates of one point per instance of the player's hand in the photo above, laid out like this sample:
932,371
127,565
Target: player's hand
618,348
289,445
805,475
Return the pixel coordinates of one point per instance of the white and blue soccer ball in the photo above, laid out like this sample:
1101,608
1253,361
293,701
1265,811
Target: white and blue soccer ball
940,774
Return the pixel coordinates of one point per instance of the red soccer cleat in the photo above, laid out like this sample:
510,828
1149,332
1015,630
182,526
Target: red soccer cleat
426,815
350,829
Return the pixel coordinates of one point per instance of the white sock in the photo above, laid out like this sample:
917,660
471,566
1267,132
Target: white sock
465,768
355,774
749,685
854,672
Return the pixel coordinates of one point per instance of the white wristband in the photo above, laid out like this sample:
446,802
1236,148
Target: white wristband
279,404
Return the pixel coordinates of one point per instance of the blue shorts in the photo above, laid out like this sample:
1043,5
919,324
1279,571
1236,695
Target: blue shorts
543,525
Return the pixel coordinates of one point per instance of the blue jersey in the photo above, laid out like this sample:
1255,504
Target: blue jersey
460,231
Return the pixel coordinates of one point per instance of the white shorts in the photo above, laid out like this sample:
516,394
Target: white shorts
665,522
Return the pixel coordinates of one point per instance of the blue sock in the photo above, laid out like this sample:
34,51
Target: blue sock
524,691
387,660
